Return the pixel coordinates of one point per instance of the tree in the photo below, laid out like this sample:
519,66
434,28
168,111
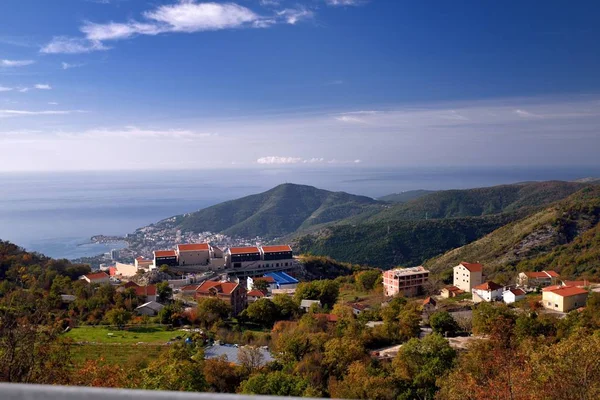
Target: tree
486,316
326,291
250,357
211,310
164,269
263,311
261,284
118,317
180,369
368,279
339,353
276,383
288,308
360,383
442,322
221,375
409,322
163,292
421,362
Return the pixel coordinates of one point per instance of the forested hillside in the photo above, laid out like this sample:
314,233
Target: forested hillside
565,237
277,212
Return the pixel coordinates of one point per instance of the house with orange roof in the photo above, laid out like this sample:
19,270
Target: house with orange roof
193,254
534,279
254,295
147,292
451,291
564,298
512,295
96,278
165,257
488,291
230,292
143,263
263,258
467,275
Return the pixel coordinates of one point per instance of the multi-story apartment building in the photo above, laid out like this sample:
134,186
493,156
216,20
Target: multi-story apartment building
468,275
406,281
230,292
165,257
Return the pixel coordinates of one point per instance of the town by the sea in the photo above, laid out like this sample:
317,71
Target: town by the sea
57,213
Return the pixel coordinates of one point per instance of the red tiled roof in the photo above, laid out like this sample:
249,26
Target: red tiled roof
577,283
140,258
553,274
276,249
488,286
131,284
472,267
429,300
193,247
244,250
549,288
256,293
536,275
222,287
358,306
518,292
165,253
268,279
567,291
149,290
96,276
328,317
453,289
190,287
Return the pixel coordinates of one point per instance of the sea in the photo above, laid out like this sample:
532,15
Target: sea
56,213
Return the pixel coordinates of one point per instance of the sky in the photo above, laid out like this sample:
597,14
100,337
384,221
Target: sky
190,84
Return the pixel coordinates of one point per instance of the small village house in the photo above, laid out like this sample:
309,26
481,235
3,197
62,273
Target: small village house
467,276
150,308
451,291
537,279
254,295
230,292
512,295
271,284
489,291
305,305
564,298
96,278
146,292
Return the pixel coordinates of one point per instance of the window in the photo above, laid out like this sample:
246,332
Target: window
556,305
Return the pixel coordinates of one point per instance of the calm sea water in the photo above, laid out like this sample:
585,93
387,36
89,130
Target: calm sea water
56,213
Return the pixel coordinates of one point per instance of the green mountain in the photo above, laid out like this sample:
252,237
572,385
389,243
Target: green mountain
403,197
479,202
564,237
410,233
277,212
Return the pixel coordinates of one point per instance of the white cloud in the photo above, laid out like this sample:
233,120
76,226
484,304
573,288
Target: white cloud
21,113
279,160
70,45
16,63
195,17
23,90
43,86
5,89
336,3
66,66
350,119
185,16
293,15
52,103
134,132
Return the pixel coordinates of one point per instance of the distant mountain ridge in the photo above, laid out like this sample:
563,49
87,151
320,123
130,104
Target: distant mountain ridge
280,211
403,197
564,236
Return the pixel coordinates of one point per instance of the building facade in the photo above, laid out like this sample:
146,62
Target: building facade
165,257
564,298
537,279
405,281
468,275
230,292
489,291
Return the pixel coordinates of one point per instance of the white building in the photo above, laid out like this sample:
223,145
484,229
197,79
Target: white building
512,295
468,275
489,291
305,305
97,278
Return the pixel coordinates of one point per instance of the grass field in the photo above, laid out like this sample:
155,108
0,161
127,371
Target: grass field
115,353
152,335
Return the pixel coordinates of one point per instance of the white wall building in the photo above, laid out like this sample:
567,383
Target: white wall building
489,291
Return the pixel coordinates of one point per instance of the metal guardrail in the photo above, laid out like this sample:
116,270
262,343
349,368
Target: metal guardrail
10,391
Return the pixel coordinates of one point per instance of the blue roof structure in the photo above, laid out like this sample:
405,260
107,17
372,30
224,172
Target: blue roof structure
281,278
231,351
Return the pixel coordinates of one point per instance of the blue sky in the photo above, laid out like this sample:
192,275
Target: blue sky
111,84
